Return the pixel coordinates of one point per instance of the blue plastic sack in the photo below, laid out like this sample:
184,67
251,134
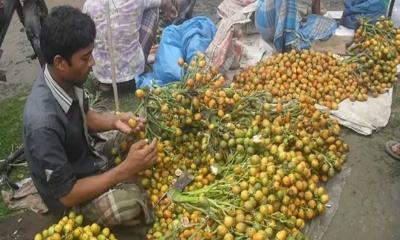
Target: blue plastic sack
177,41
265,21
354,9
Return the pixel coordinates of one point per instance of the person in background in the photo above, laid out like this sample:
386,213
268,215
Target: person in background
133,24
266,23
67,170
292,23
184,9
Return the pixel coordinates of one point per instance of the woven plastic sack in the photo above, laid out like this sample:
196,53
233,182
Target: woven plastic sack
355,9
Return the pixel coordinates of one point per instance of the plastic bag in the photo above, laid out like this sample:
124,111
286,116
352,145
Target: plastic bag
224,51
178,41
228,8
243,2
354,9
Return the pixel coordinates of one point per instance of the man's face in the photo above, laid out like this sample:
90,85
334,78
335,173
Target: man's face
80,65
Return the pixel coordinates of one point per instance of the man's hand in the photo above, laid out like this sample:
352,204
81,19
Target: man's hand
169,10
129,123
141,156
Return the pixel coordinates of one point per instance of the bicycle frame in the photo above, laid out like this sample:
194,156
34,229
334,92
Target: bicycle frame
30,15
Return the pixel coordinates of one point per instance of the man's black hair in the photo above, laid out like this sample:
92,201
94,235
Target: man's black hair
64,32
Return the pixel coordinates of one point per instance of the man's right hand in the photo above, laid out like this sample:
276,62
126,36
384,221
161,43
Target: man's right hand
141,156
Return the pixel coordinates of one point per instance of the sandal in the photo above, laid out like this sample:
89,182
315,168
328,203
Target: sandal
105,87
99,86
388,149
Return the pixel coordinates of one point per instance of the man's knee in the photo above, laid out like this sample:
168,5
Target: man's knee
135,204
125,205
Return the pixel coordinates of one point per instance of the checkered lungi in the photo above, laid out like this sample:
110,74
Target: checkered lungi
148,29
126,204
281,22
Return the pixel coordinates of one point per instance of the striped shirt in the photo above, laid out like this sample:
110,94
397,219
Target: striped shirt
59,94
65,102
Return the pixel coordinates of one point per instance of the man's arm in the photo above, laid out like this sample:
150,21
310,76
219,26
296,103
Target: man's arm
106,121
48,161
101,121
91,187
140,157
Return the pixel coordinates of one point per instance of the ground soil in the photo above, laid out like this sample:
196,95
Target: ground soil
369,204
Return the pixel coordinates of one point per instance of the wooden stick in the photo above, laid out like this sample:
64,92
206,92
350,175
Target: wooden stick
112,55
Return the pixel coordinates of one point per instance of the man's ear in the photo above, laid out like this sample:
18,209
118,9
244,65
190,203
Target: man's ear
59,63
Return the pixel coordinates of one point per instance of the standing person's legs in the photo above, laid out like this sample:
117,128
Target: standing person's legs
148,30
185,10
189,12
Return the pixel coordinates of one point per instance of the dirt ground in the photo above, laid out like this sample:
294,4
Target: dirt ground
369,204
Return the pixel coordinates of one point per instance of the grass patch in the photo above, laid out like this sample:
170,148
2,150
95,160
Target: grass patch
11,124
105,100
4,211
11,111
127,101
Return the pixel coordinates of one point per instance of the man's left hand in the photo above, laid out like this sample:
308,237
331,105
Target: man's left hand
129,123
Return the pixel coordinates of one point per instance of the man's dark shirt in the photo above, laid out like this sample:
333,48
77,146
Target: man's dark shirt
56,140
